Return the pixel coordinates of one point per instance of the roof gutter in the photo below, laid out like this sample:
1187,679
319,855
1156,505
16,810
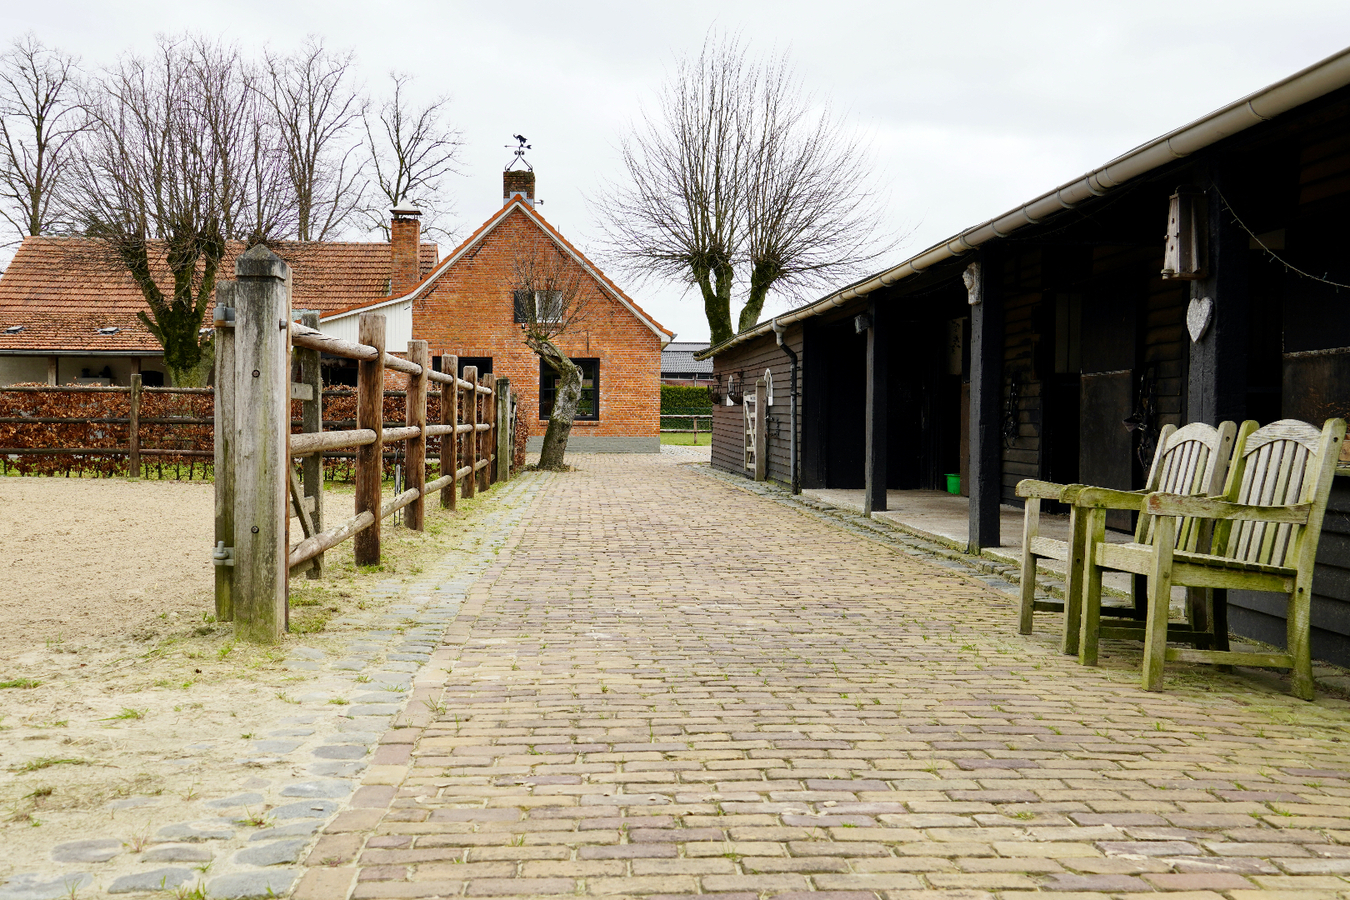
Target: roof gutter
1309,84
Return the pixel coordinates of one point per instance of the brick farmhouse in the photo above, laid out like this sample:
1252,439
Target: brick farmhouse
466,306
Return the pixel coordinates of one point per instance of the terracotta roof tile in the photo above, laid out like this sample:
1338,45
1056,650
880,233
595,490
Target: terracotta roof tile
62,293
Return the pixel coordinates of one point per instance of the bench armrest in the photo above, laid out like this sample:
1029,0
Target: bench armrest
1030,488
1109,498
1205,508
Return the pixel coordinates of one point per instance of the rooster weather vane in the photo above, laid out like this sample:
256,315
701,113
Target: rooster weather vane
520,149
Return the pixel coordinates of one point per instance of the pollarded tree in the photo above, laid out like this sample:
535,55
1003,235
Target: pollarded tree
551,299
180,158
738,184
40,119
411,149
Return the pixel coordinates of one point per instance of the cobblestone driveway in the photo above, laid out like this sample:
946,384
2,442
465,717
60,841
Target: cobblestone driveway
669,686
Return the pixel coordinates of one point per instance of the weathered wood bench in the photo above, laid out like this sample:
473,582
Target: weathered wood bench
1191,460
1265,534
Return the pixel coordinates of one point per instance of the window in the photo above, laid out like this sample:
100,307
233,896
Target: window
482,363
589,407
547,305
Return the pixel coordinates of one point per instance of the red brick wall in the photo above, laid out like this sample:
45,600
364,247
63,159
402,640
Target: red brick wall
469,312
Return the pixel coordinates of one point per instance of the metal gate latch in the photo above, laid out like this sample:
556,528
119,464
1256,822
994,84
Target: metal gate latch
222,555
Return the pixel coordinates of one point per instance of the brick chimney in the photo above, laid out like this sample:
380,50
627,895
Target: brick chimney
518,183
405,268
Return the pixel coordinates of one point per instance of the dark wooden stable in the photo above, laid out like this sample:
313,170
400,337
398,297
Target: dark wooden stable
1078,352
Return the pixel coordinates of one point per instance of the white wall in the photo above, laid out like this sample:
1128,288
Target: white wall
23,369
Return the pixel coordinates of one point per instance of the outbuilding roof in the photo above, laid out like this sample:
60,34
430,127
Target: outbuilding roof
678,357
60,291
1303,86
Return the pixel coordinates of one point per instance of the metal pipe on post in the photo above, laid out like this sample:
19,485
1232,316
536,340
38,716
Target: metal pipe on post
134,429
370,458
503,429
311,417
450,442
416,415
262,425
471,413
224,432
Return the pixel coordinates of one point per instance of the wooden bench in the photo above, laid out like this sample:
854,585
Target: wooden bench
1191,460
1265,535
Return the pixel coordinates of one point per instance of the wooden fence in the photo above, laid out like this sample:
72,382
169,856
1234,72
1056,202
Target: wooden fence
258,346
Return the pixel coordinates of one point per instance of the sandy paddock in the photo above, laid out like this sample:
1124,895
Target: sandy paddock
87,560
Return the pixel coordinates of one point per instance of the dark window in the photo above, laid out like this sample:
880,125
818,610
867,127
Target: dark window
548,304
484,364
589,407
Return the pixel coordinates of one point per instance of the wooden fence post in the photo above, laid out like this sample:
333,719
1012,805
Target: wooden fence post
370,458
416,414
489,437
262,417
503,427
450,442
311,416
761,432
471,413
223,437
134,429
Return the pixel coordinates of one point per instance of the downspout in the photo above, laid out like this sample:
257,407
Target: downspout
779,331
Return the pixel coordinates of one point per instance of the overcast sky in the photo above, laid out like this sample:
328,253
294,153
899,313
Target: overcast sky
970,107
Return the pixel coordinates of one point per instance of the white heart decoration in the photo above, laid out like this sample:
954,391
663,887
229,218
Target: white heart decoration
1198,316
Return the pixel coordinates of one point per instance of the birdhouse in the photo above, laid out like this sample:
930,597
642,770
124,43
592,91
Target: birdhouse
1184,255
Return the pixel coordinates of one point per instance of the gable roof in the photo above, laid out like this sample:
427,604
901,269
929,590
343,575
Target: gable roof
479,234
61,292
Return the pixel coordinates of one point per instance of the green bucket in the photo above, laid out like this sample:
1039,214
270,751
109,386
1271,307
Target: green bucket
954,484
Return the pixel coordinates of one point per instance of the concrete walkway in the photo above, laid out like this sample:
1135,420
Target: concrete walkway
666,685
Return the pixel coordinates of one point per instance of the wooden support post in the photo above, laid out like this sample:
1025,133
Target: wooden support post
489,415
450,442
370,458
984,286
1217,373
311,417
53,371
502,429
874,412
471,445
761,430
416,407
134,429
262,420
223,440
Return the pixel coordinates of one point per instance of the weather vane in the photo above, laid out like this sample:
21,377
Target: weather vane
520,149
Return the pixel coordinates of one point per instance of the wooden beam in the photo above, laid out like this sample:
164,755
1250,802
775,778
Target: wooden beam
874,413
262,423
503,432
311,419
471,441
224,437
416,416
984,284
1216,388
450,442
761,430
370,457
488,445
134,429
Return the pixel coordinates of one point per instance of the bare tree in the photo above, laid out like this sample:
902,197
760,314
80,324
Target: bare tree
40,118
317,108
411,149
551,299
737,178
177,163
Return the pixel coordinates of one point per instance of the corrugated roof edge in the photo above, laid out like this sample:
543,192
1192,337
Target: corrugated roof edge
1261,106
